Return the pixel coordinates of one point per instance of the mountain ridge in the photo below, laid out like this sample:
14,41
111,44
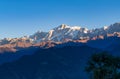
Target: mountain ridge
59,35
60,53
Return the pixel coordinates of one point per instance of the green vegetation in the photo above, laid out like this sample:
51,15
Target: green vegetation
103,66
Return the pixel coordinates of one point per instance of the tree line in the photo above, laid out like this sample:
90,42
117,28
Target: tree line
103,66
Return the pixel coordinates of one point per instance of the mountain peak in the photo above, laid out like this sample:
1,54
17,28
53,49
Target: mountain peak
65,32
62,26
105,27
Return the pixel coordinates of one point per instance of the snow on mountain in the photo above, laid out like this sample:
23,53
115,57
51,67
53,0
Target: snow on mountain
105,27
114,28
67,33
38,36
64,32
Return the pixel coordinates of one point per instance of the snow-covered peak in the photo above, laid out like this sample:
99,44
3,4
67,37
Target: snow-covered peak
50,34
62,26
105,27
86,30
65,32
75,28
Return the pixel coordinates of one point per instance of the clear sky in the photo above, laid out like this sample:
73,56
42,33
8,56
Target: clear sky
24,17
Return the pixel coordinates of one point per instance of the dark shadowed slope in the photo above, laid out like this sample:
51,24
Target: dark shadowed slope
53,63
13,56
110,44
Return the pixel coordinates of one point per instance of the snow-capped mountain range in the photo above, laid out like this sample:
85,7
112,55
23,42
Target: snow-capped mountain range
106,38
67,33
64,33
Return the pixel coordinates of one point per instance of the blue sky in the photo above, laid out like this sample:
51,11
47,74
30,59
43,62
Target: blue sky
24,17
